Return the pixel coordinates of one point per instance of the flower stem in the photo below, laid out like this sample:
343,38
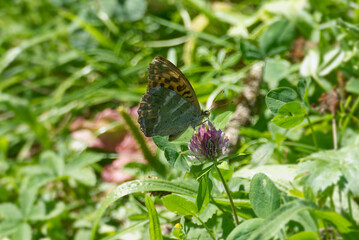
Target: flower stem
228,194
334,129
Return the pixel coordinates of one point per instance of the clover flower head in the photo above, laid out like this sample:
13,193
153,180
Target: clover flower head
208,143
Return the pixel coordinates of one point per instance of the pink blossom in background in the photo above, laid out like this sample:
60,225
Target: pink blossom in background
117,139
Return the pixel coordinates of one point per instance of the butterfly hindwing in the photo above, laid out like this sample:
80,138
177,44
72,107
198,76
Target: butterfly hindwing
164,112
162,72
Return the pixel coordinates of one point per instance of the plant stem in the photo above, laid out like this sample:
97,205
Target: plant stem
334,129
300,145
313,135
350,205
209,231
349,116
228,194
340,201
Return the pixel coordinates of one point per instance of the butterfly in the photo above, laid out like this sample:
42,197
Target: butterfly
170,104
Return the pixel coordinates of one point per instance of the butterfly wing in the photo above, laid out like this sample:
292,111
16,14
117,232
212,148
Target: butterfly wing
164,112
162,72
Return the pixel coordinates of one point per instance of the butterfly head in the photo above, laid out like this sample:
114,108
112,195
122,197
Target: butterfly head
205,113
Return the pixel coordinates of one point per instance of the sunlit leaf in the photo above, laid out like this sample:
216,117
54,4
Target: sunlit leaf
139,186
277,38
155,227
264,195
290,115
179,205
204,192
325,168
278,97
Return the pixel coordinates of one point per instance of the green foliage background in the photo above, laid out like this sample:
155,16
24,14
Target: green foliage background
60,59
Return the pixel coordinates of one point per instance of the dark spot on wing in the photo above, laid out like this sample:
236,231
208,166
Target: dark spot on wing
181,88
174,79
186,93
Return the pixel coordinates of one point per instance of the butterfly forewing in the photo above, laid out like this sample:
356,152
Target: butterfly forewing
163,73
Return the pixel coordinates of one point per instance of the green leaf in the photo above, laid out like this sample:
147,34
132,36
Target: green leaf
23,232
172,149
304,236
274,71
90,29
264,195
319,174
4,146
124,11
38,211
205,171
282,175
171,156
81,160
163,143
310,63
305,22
82,234
290,115
140,186
24,112
352,86
179,205
7,58
352,28
225,169
205,215
250,51
339,222
278,219
59,208
323,169
278,97
204,192
9,211
303,88
155,227
27,198
69,82
53,161
220,122
40,180
350,171
233,157
243,230
331,60
86,176
9,227
305,219
262,154
182,165
277,38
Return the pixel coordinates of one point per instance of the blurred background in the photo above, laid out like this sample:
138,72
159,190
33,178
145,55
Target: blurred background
71,71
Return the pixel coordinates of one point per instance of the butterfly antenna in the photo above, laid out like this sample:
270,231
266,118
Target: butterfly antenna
224,104
214,100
